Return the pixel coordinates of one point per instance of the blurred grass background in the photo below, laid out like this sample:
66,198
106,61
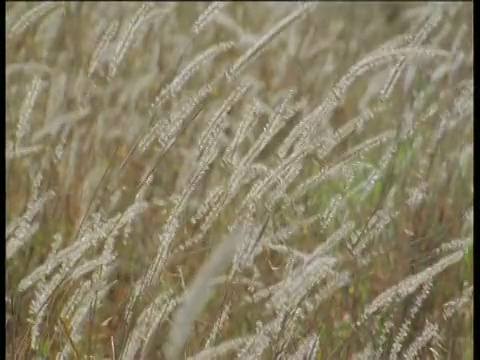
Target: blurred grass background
58,47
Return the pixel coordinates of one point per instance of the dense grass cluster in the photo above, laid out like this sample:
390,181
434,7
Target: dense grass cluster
239,180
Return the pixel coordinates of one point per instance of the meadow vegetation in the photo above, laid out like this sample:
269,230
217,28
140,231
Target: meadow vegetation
239,180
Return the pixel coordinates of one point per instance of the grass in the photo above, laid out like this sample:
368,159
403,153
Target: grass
211,180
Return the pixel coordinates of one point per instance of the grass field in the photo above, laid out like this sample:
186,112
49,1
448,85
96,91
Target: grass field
239,180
